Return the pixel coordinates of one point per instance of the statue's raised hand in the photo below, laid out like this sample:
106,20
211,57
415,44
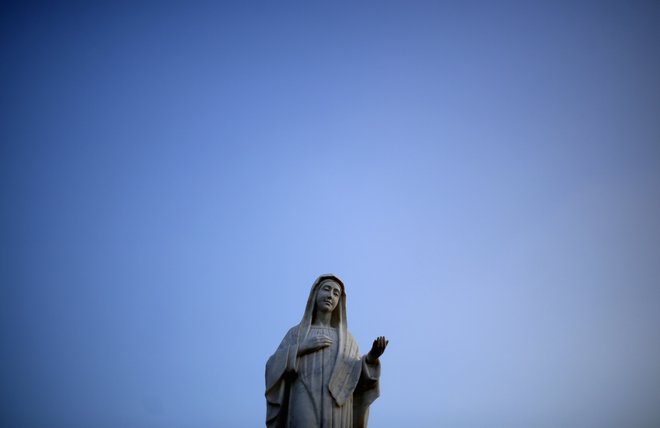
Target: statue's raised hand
377,349
313,344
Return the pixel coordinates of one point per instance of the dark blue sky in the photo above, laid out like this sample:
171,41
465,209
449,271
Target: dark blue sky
484,176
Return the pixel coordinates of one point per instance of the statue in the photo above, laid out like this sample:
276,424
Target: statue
316,378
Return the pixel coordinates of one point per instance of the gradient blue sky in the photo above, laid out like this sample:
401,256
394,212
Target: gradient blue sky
484,177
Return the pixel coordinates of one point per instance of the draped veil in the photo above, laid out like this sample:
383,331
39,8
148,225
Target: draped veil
353,384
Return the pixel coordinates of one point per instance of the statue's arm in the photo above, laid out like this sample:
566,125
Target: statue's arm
371,363
368,387
280,363
370,372
283,360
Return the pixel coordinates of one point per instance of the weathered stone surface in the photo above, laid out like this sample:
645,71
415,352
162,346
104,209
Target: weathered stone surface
316,377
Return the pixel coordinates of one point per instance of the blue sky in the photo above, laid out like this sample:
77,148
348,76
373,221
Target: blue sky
484,177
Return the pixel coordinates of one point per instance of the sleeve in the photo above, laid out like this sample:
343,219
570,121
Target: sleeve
366,392
370,374
282,362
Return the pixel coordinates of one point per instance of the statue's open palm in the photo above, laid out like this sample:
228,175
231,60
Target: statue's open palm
377,349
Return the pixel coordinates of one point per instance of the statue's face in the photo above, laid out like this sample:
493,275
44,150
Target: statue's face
328,296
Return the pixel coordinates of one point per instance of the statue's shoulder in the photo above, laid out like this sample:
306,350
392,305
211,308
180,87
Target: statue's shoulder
292,333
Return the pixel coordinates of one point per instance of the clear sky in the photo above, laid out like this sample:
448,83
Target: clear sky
485,177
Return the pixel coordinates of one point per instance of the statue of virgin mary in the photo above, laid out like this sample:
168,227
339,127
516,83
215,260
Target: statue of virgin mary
317,378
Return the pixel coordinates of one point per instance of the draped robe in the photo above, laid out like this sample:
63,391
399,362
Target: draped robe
332,387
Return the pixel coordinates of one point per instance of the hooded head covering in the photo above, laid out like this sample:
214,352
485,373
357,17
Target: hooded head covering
338,319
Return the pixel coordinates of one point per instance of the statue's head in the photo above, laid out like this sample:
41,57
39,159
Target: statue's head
328,295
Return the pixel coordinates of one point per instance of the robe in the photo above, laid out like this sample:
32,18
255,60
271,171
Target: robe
330,388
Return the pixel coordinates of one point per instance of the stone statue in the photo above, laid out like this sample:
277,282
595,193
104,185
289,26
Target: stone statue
316,378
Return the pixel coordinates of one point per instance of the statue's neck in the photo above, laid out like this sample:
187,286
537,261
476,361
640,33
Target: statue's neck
322,319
